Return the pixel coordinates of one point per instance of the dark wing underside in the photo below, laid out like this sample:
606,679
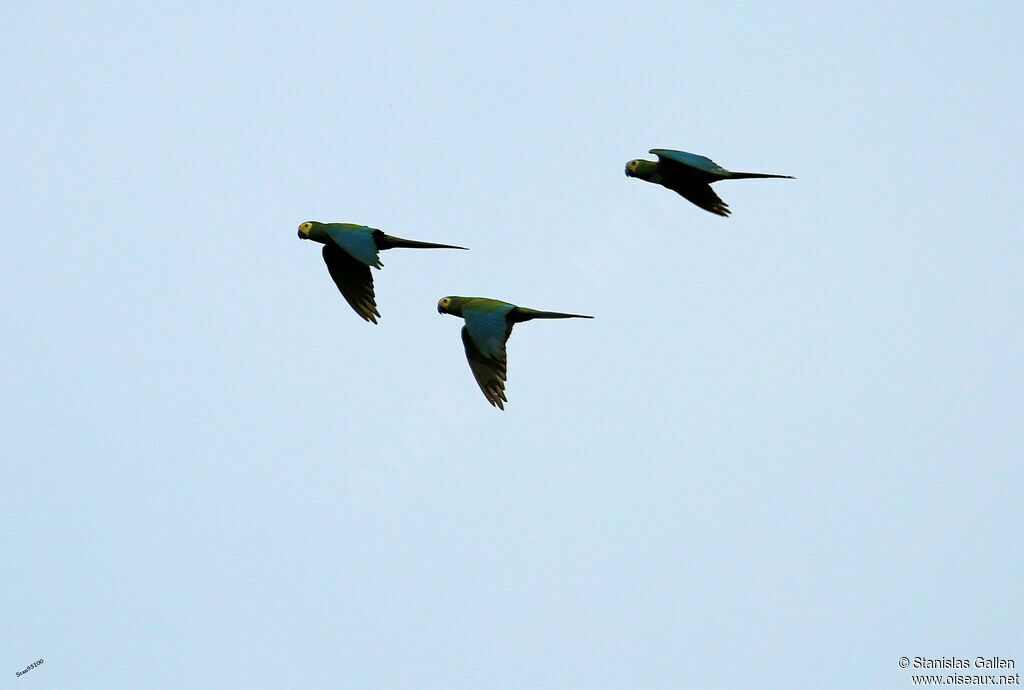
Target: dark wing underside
490,373
702,195
353,280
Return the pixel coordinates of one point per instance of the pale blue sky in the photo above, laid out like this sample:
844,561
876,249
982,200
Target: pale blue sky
785,453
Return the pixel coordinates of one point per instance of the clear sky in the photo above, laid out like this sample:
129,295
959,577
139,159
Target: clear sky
785,453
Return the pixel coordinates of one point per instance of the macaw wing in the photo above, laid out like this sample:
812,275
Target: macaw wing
490,373
690,160
353,280
488,327
702,195
359,242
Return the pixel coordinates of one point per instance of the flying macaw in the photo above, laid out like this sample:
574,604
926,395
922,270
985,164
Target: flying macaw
488,326
349,251
690,175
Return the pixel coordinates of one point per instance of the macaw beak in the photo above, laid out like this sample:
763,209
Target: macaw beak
301,236
439,309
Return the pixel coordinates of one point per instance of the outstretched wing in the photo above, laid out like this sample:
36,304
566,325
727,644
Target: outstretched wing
700,194
674,159
353,280
484,336
359,242
490,373
488,325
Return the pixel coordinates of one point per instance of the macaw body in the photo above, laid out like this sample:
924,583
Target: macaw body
689,175
488,326
349,251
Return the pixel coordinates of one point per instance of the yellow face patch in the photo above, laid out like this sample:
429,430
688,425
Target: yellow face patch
443,303
305,228
631,166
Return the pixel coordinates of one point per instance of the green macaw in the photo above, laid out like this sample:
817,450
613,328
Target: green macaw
488,326
349,251
690,175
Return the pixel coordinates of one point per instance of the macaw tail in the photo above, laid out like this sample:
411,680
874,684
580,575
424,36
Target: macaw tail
744,176
524,314
389,242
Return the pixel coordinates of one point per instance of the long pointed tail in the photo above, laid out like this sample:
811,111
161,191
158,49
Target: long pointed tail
744,176
524,314
390,242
